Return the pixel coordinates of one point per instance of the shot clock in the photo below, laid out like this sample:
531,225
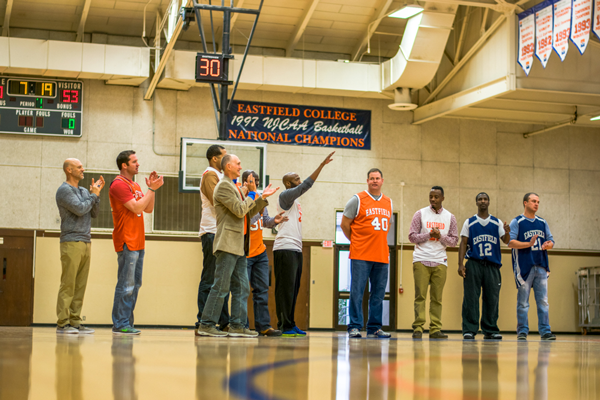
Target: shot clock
40,107
209,68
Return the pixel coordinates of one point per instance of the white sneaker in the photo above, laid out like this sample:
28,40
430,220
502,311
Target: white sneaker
84,330
354,333
67,329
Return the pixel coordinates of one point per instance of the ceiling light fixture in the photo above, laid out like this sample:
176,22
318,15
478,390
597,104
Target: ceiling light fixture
407,12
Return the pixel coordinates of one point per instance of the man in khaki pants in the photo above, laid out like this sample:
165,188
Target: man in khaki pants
77,207
432,229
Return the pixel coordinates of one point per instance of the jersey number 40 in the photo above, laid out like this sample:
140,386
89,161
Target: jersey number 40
380,226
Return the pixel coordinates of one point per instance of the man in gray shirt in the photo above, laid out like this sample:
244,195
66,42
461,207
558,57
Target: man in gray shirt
77,207
287,249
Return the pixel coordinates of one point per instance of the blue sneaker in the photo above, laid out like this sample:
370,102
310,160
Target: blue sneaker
290,333
298,331
379,334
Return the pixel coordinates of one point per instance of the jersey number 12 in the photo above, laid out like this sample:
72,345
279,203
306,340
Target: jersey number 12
485,251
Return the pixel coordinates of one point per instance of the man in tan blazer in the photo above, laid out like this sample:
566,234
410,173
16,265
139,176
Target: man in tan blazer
234,211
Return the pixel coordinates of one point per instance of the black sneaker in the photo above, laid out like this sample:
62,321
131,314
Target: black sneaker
468,336
549,336
492,336
522,336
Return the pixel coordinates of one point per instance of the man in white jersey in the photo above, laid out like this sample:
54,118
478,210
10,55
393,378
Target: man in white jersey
287,249
432,229
208,228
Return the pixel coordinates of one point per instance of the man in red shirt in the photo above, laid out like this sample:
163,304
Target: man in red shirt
128,204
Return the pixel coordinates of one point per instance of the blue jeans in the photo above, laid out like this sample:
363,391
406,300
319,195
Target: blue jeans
230,275
258,275
129,281
538,280
377,274
207,278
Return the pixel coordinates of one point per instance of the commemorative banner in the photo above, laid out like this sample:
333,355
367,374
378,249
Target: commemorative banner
543,31
561,28
526,40
596,21
288,124
581,24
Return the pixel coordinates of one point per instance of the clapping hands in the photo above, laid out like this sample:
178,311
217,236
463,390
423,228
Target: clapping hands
154,181
97,186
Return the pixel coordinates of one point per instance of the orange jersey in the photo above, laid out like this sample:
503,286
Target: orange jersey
257,246
370,229
129,227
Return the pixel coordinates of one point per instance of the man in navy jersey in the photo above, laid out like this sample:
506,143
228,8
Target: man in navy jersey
530,239
480,245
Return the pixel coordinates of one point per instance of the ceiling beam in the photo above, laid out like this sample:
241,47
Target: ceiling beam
299,30
84,15
235,16
5,30
384,5
165,56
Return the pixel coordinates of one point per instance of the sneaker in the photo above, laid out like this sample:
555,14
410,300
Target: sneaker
210,330
522,336
67,329
438,335
241,332
354,333
126,331
468,336
84,330
417,335
379,334
290,333
298,331
549,336
270,332
492,336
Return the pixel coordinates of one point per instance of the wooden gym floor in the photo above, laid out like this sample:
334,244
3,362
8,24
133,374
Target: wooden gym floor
35,363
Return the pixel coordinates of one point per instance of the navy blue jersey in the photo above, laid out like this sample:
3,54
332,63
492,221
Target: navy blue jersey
484,240
525,259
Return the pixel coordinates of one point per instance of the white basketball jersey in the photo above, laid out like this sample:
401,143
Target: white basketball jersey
433,250
208,222
289,236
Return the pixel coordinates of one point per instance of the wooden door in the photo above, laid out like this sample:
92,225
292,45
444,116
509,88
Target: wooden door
16,277
302,314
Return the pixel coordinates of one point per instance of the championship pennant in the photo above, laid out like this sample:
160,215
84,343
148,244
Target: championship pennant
526,40
543,31
596,21
581,24
562,26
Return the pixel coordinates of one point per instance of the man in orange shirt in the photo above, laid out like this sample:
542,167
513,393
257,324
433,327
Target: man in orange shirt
258,263
366,222
128,204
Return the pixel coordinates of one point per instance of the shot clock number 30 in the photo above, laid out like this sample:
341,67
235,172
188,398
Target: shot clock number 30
40,107
209,68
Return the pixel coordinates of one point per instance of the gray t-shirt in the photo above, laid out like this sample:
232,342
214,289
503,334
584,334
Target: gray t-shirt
77,207
351,209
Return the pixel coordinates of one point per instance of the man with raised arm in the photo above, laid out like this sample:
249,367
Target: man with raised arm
287,249
77,207
128,204
432,229
234,211
208,228
366,223
480,245
258,263
530,239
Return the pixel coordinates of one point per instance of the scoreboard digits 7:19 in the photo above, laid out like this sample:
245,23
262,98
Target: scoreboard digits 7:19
40,107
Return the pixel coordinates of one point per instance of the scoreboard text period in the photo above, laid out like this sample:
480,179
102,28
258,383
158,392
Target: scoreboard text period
40,107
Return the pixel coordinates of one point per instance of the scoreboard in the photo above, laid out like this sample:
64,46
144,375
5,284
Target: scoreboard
40,107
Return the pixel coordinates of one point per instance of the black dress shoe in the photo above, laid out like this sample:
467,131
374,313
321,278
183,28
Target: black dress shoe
417,335
438,335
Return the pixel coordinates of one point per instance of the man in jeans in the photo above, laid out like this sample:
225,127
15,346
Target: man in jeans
366,223
530,239
128,204
77,207
258,263
231,245
208,228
